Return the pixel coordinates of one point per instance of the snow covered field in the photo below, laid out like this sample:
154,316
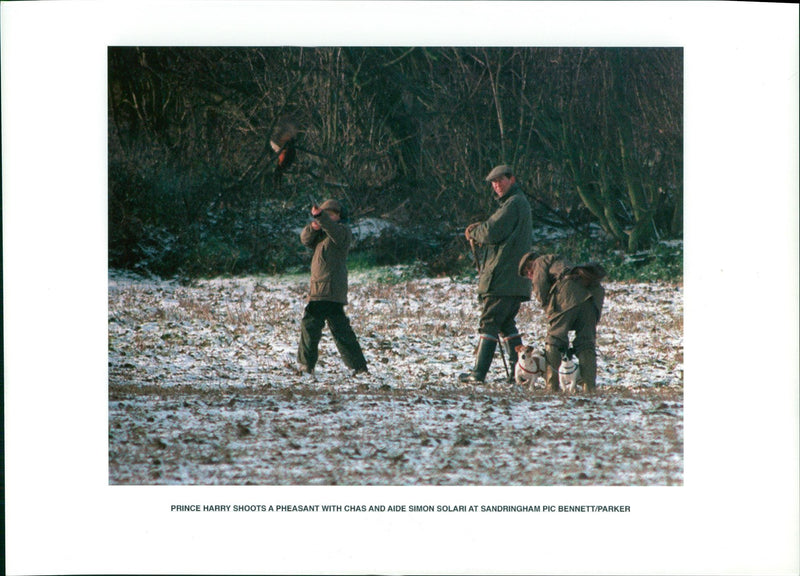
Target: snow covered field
203,390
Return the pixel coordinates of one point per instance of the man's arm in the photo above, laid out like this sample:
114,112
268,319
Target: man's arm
336,231
498,227
310,236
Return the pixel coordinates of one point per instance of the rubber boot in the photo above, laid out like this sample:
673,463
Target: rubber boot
552,355
510,343
483,359
588,362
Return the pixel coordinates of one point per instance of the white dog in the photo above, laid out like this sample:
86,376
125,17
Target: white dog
569,373
529,367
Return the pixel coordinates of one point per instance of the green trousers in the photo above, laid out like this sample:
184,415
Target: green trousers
498,324
583,320
316,314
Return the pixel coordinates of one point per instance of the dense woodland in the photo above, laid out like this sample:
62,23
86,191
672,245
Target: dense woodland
406,134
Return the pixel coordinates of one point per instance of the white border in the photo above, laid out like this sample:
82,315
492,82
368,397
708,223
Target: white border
738,510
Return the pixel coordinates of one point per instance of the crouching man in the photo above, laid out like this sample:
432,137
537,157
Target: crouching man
330,239
572,298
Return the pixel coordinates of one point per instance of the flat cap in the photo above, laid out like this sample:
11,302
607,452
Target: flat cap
331,205
498,171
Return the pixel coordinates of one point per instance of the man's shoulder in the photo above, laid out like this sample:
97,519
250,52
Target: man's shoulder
341,231
517,195
546,262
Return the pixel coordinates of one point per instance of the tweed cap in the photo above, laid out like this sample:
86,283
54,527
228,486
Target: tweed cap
498,171
529,257
331,205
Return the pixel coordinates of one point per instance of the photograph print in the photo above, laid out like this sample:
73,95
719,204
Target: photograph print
397,266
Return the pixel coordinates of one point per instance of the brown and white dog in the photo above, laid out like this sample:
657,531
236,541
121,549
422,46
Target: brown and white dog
530,365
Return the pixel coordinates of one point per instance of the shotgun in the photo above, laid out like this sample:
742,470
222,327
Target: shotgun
475,256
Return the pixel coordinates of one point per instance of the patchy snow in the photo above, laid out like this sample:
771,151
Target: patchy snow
203,390
370,228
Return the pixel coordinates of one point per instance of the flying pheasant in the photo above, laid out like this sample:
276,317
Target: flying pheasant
282,142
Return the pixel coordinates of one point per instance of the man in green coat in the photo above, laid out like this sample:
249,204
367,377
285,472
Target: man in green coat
330,239
506,236
572,298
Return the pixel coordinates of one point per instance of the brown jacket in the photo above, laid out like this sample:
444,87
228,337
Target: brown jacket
558,291
329,262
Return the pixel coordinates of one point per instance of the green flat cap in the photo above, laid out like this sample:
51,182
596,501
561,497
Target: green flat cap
498,171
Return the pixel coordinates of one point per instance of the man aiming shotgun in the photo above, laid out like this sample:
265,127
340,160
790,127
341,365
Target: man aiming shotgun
330,240
506,236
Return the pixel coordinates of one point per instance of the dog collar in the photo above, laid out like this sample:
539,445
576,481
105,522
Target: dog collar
574,369
526,370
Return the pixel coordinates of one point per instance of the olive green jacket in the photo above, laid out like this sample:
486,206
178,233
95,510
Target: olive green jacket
329,262
558,291
506,236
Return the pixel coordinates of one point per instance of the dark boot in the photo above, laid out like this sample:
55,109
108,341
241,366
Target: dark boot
483,359
552,355
510,343
588,362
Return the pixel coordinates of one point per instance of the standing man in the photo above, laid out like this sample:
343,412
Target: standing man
572,298
330,239
507,237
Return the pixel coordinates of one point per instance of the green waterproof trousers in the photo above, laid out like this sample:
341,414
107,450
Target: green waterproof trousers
316,314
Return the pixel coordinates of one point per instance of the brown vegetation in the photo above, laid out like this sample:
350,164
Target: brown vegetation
408,133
